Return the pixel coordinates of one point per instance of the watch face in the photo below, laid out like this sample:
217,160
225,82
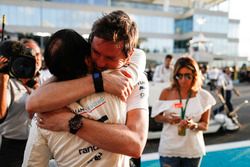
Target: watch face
75,123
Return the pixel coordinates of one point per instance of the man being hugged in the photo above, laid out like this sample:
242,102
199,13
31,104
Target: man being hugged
112,39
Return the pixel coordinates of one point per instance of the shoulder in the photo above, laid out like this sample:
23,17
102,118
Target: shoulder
206,96
167,90
204,92
139,52
167,93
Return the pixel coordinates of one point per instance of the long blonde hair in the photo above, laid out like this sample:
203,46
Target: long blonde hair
190,63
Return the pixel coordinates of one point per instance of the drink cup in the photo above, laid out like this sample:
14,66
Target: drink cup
181,130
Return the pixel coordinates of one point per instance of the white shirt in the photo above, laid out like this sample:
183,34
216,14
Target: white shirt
225,81
163,74
214,73
192,144
70,150
44,76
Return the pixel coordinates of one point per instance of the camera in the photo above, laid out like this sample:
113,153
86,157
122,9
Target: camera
21,60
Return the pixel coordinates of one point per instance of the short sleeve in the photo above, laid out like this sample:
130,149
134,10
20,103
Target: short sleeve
139,96
159,107
206,99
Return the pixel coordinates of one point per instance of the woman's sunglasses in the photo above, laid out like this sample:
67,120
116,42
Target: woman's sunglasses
187,76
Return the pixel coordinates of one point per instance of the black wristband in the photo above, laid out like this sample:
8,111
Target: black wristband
98,82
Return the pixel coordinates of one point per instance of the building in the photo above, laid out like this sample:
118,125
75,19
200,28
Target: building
166,26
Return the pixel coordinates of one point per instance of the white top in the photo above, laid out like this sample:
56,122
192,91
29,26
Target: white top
162,74
225,81
214,73
192,144
16,123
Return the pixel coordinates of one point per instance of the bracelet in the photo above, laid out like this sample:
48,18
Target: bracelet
196,127
98,82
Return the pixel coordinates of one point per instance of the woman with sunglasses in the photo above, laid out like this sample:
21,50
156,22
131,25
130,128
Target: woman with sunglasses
184,109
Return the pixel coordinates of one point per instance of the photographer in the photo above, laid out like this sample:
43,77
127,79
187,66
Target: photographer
17,66
42,73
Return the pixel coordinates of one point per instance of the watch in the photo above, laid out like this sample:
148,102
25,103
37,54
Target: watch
75,123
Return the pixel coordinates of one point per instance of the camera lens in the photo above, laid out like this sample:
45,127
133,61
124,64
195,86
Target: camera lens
22,67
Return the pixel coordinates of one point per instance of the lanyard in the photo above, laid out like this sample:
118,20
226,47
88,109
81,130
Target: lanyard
183,110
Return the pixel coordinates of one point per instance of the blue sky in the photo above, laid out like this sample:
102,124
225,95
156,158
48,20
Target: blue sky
239,9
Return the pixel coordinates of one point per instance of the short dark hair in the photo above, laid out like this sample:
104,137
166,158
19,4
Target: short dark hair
169,56
67,61
116,26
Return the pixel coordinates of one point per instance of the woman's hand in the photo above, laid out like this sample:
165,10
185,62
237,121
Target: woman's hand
183,123
172,118
191,124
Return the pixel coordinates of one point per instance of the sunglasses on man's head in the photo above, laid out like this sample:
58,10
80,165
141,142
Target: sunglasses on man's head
187,76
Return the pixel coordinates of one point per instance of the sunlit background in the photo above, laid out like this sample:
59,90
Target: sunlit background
239,9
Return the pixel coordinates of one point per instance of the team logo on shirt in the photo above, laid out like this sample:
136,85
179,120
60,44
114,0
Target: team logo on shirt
141,85
88,149
97,157
90,106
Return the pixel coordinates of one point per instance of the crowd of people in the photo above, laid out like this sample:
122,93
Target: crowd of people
89,107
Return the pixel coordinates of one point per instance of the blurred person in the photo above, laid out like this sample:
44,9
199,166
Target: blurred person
113,38
150,72
41,74
14,120
184,110
30,43
226,88
243,73
205,80
164,72
213,75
